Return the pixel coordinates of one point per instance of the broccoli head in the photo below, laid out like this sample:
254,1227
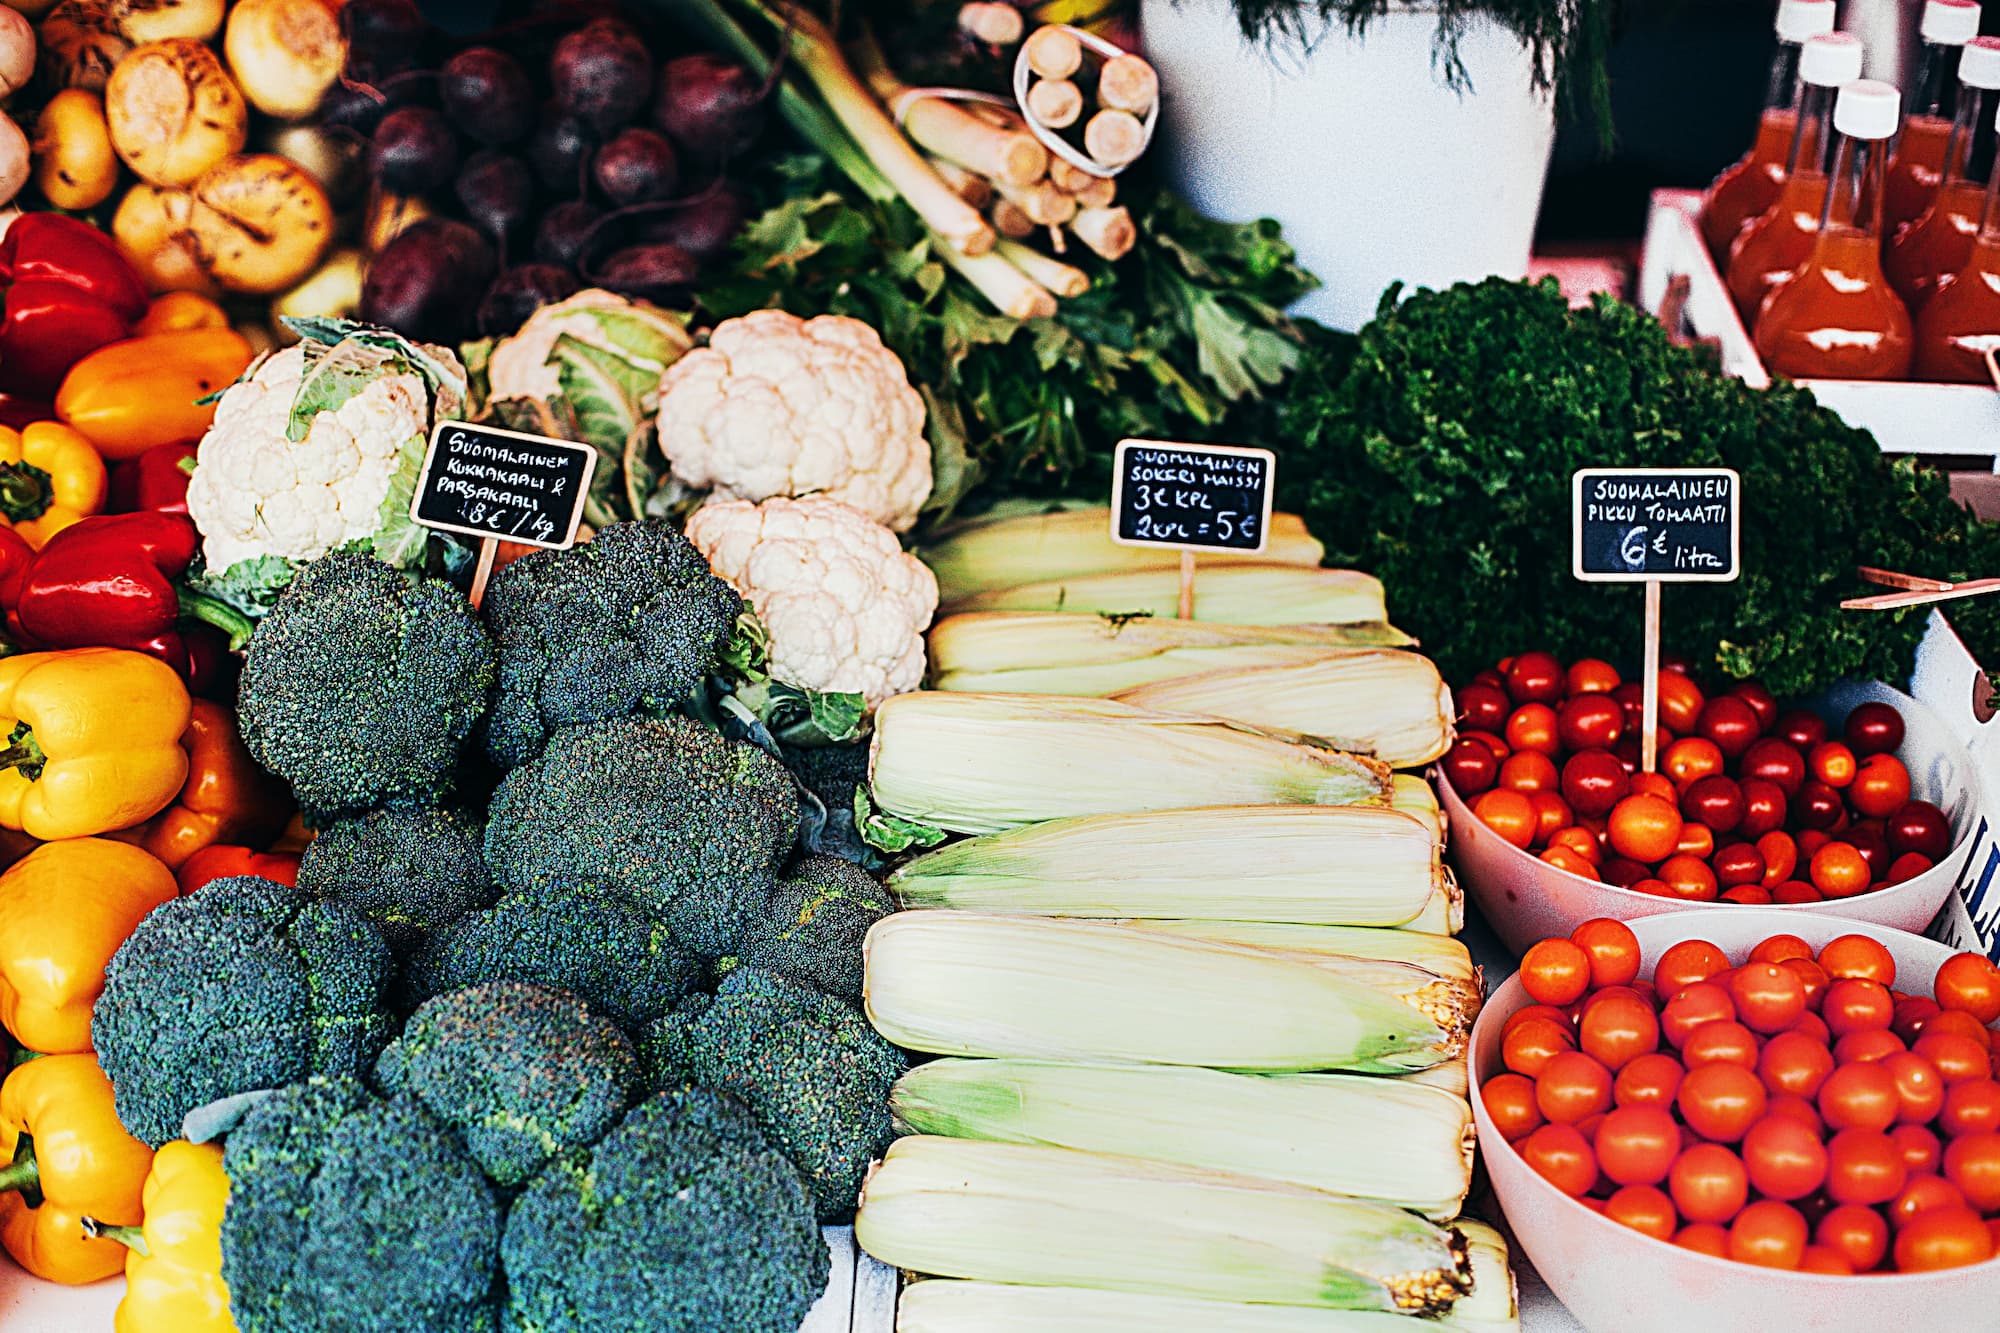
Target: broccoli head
244,984
684,1219
628,622
812,926
411,871
589,941
690,826
362,685
521,1071
808,1066
349,1213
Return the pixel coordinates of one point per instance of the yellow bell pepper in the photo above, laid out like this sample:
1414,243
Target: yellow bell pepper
171,312
128,396
60,1134
173,1275
93,741
64,910
50,477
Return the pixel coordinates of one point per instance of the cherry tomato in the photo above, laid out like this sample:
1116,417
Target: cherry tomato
1943,1238
1972,1163
1631,696
1591,675
1769,997
1831,762
1907,867
1612,948
1715,801
1589,722
1533,727
1692,1007
1508,813
1748,895
1510,1101
1644,1208
1858,956
1644,828
1964,1024
1529,1012
1777,762
1874,728
1971,984
1869,1044
1768,1234
1655,784
1792,1062
1573,1087
1581,841
1855,1004
1703,1238
1528,1048
1561,1155
1920,827
1819,1259
1624,872
1881,786
1777,948
1763,705
1817,807
1921,1194
1556,971
1784,1158
1861,1095
1920,1148
1721,1101
1802,729
1958,1058
1619,1030
1729,723
1482,708
1535,677
1689,877
1813,978
1919,1089
1764,807
1864,1166
1690,758
1551,811
1685,963
1529,772
1867,838
1708,1183
1680,702
1636,1145
1593,781
1648,1080
1970,1107
1912,1013
1795,891
1838,871
1856,1233
1720,1043
1491,741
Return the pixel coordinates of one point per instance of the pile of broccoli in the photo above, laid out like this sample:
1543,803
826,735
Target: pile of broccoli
410,870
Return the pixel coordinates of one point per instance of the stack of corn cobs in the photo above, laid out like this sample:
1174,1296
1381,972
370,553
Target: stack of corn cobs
1193,974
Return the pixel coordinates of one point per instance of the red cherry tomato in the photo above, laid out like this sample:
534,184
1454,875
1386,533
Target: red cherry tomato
1739,864
1470,768
1775,761
1483,708
1762,703
1802,729
1589,722
1535,677
1874,728
1730,723
1680,702
1970,983
1881,786
1533,727
1817,806
1921,827
1715,801
1764,807
1593,781
1591,675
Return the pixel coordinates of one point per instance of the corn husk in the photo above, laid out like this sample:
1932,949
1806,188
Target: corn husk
1036,652
1355,865
1009,1212
1453,1076
1369,1138
1003,550
1494,1303
1440,954
955,1305
1386,703
1414,797
1238,594
979,763
972,983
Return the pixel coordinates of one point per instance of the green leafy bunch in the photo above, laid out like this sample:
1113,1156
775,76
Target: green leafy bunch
1436,450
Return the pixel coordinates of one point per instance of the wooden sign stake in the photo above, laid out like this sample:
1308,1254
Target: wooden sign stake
1649,715
1187,585
489,547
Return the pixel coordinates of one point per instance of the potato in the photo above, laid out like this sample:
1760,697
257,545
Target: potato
17,52
334,288
173,111
80,45
261,222
74,165
157,20
153,229
285,53
13,159
337,160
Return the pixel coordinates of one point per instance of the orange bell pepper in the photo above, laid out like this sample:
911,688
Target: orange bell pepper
128,396
60,1136
50,477
227,798
64,910
221,860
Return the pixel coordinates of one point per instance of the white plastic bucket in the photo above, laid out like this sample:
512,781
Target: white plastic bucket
1377,170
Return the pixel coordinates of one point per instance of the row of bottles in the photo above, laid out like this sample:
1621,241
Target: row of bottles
1853,250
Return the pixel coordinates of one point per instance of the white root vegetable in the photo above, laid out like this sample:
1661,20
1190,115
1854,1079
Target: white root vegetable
154,232
157,20
262,222
1128,83
337,161
80,45
1060,278
970,186
1102,192
1109,232
173,111
995,24
17,52
14,159
1010,221
1045,205
1055,102
1114,137
285,54
1012,292
949,130
75,167
334,288
1053,52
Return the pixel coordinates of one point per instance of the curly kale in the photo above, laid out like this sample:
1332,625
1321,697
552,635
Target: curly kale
688,825
589,941
244,984
684,1219
628,622
521,1071
353,1214
362,685
813,1071
812,925
410,871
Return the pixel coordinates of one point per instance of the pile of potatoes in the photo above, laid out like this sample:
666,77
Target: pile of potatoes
168,90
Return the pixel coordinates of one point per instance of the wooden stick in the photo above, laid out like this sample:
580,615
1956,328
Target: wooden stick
1187,585
996,24
1012,292
1045,205
1055,102
1114,137
1128,83
1053,52
1649,711
1010,221
1060,278
970,186
1107,231
947,130
489,547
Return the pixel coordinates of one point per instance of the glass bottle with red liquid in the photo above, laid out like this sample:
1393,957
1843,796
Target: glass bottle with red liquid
1770,249
1917,164
1838,318
1960,324
1940,241
1747,188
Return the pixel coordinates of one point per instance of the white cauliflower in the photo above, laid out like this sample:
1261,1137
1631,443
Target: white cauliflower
632,334
845,606
362,402
776,405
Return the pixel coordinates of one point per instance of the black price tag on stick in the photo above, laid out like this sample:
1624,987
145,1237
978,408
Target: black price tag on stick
1192,497
1664,525
503,485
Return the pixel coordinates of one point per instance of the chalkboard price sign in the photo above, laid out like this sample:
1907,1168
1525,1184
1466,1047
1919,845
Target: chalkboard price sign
1193,497
1665,525
501,484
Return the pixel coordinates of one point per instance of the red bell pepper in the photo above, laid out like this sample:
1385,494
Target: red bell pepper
154,482
69,292
221,860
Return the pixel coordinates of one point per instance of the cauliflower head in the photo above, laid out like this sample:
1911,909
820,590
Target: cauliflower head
845,606
319,446
607,332
776,405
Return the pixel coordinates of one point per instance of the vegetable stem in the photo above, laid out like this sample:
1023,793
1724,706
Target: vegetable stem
22,1175
212,611
947,130
1012,292
132,1238
1060,278
1107,231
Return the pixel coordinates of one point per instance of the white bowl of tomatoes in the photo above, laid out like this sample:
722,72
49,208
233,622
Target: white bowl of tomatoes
1859,806
1790,1140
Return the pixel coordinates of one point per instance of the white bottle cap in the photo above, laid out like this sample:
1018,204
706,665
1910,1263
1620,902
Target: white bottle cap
1831,60
1979,64
1868,109
1950,22
1801,19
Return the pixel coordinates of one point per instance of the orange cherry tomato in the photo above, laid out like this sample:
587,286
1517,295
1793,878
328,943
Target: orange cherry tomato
1510,1101
1812,976
1972,1163
1680,702
1881,786
1858,956
1613,950
1691,758
1794,1063
1867,1045
1527,1049
1579,841
1959,1022
1562,1156
1648,1080
1708,1183
1919,1088
1573,1087
1856,1233
1687,962
1720,1101
1956,1057
1920,1148
1507,813
1777,948
1784,1157
1943,1238
1618,1030
1644,1208
1654,784
1781,858
1636,1145
1969,983
1563,858
1840,871
1855,1004
1749,895
1528,772
1555,971
1703,1238
1768,1234
1696,840
1552,813
1645,828
1769,997
1864,1166
1727,1042
1861,1095
1591,675
1533,727
1692,1006
1690,878
1921,1194
1820,1259
1971,1107
1526,1012
1832,763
